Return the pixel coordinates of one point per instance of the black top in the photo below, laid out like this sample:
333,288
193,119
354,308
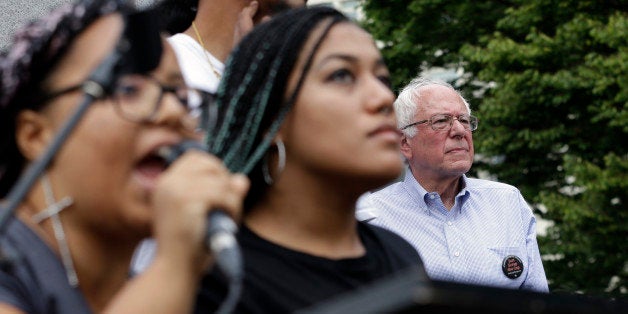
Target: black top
34,279
280,280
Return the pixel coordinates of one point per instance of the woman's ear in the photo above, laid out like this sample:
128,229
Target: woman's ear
33,133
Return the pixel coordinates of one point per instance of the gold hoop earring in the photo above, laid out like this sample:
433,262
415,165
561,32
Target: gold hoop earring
281,162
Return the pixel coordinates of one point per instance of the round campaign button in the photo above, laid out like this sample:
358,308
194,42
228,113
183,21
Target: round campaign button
512,266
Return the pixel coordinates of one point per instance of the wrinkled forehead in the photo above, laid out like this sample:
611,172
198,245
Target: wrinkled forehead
440,99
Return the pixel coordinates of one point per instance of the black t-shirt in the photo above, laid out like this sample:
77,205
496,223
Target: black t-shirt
280,280
35,280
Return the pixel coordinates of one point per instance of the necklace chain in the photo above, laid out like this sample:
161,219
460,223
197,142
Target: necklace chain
200,41
52,212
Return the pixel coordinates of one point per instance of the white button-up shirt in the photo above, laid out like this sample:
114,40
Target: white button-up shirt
489,223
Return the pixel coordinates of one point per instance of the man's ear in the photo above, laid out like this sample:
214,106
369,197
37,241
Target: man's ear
405,148
33,133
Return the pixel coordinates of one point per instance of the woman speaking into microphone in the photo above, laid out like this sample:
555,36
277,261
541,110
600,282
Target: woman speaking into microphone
68,246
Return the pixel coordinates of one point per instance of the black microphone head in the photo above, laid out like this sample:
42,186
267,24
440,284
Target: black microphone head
142,35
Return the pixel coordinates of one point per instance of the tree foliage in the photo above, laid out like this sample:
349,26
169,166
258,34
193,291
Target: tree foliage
549,83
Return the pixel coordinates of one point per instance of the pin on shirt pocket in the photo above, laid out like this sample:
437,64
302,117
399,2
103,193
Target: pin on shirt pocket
511,258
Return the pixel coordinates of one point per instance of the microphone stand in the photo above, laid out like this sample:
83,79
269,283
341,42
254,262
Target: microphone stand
99,82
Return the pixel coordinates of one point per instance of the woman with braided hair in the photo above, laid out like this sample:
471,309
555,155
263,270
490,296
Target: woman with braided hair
305,109
203,34
67,246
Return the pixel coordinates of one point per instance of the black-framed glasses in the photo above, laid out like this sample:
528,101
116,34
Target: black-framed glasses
442,122
137,98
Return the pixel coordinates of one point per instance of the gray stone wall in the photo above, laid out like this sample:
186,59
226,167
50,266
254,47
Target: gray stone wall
14,13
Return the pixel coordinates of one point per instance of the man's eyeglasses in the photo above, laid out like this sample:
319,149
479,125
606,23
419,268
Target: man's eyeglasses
442,122
137,98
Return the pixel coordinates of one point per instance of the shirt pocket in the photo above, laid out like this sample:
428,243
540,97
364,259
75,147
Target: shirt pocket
507,261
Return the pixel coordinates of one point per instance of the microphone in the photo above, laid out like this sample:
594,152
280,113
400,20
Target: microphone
221,229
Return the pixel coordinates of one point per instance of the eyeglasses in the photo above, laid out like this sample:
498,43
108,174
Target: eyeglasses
441,122
137,98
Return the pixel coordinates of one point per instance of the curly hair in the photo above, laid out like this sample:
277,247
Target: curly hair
36,50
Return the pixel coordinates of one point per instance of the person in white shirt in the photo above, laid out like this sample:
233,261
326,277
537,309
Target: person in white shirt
205,31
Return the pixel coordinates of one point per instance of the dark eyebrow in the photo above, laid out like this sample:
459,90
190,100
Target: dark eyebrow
347,58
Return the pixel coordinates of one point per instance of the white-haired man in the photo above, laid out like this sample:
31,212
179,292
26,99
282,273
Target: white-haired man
466,230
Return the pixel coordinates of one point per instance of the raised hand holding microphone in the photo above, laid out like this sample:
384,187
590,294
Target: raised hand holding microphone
187,196
208,186
77,227
220,229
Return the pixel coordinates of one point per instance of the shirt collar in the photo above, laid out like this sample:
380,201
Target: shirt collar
463,195
419,194
414,188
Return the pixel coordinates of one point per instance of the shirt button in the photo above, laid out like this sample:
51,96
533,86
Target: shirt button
432,196
456,254
449,223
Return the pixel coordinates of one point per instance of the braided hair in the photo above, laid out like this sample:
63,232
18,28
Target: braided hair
36,50
252,97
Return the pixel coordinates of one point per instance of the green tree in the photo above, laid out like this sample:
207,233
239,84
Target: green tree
421,34
549,82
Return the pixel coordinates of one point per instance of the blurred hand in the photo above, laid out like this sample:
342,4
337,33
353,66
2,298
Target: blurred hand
185,193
